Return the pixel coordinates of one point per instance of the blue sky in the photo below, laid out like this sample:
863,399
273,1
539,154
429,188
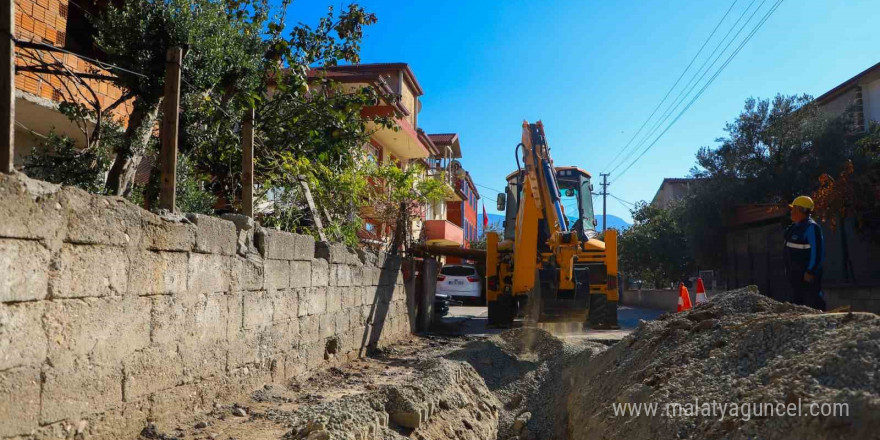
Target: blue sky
594,70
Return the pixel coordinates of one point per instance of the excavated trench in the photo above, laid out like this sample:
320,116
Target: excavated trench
741,348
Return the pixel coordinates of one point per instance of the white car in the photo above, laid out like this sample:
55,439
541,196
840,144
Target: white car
459,280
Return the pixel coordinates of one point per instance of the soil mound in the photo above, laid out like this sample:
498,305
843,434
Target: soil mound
741,349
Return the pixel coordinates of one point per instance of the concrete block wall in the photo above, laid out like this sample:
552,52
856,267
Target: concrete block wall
111,316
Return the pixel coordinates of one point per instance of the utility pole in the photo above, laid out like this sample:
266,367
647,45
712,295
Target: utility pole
604,201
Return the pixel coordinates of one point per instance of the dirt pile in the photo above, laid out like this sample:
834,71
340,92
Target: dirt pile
739,349
523,367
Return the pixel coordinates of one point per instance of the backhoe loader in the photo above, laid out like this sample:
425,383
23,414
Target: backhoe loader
550,265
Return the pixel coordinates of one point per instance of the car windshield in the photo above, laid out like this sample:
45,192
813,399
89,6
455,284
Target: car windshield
457,271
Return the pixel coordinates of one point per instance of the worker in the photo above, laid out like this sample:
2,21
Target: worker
804,253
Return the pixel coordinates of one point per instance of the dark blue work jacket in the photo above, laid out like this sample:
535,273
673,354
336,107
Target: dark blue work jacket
804,248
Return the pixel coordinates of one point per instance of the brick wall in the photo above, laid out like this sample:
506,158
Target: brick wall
45,21
111,316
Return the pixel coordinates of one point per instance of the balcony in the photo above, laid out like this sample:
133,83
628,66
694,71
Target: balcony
443,233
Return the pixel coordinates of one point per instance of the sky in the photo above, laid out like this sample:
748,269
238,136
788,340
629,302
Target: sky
593,71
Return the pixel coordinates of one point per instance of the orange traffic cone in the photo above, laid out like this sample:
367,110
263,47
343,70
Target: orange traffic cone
684,298
701,292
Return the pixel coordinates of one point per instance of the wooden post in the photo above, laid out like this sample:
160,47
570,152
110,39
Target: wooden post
7,94
316,218
247,164
168,133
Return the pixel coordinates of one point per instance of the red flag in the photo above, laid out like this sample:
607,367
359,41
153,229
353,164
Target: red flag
485,218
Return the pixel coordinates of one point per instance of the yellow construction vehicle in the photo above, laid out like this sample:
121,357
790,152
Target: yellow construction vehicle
551,265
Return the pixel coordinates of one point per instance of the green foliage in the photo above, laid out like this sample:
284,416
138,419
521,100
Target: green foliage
492,227
655,248
774,150
191,194
58,160
398,195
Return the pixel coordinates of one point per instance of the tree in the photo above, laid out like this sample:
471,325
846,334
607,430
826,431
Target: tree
230,59
774,150
491,227
397,195
655,248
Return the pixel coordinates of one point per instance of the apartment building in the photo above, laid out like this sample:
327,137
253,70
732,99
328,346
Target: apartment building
461,210
401,147
54,42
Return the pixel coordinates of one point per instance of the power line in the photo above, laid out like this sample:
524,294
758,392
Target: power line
621,200
692,83
102,64
486,187
673,85
707,84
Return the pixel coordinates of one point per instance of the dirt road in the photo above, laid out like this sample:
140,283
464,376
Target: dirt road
431,361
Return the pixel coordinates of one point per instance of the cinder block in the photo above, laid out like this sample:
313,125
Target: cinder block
276,245
358,296
327,325
166,235
305,248
277,274
285,304
104,330
348,296
102,220
257,310
207,273
20,406
157,272
76,386
309,328
334,299
315,354
343,275
368,258
300,273
89,270
369,295
22,339
334,253
342,322
214,235
320,272
155,368
234,313
198,318
316,298
31,209
203,359
243,348
246,274
24,265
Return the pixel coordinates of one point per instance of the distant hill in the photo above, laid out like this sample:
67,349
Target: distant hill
613,221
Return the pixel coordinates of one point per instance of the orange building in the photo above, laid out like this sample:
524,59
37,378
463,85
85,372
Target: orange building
53,41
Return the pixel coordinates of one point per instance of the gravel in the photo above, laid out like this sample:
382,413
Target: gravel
740,347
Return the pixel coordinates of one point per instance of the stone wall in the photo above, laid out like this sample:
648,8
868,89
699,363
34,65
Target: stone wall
111,316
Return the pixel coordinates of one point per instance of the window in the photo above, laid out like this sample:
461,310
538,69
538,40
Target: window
458,271
372,153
